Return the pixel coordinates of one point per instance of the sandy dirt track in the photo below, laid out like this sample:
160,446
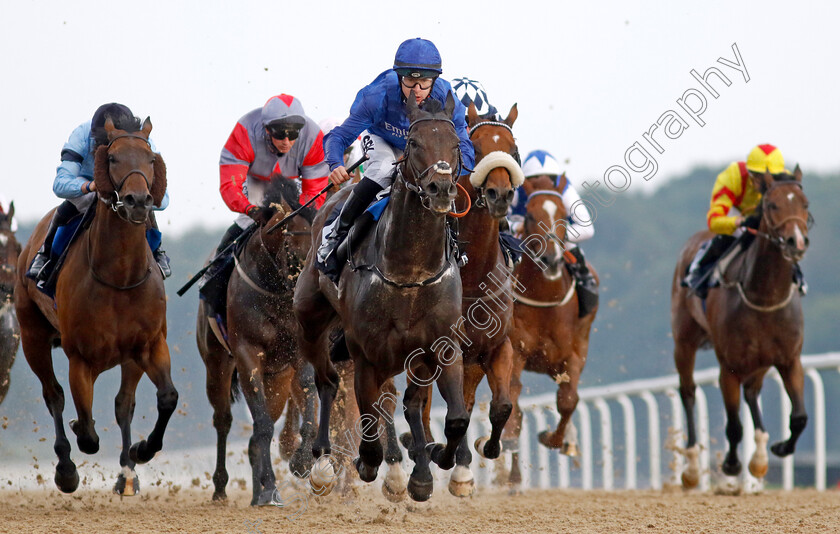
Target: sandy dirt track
190,510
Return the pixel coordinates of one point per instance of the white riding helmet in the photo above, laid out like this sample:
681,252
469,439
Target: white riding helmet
468,90
539,162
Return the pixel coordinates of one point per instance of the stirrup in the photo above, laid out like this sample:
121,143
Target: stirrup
162,261
38,271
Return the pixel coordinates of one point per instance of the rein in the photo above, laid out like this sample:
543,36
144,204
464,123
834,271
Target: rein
541,304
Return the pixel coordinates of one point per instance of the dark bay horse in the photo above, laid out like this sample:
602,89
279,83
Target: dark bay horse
9,329
263,346
753,321
396,301
487,303
109,308
548,337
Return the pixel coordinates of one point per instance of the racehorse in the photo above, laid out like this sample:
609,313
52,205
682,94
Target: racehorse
753,321
487,304
548,337
397,298
262,346
9,329
109,308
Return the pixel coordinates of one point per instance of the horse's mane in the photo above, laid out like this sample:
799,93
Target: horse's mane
281,188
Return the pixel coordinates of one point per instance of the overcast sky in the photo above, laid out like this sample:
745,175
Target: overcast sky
590,78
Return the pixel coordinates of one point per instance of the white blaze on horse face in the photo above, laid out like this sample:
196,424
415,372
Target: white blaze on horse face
800,238
790,197
4,240
551,209
496,138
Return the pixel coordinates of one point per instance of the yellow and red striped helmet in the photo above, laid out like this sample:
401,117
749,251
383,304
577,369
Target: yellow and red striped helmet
765,158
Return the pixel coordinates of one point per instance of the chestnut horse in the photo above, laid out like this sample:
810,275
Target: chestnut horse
548,336
753,321
263,349
109,308
396,303
9,329
487,304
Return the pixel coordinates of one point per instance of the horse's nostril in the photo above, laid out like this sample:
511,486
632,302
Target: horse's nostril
492,194
433,189
509,196
149,201
129,201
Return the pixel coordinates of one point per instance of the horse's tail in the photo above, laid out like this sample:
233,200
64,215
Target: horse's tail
235,390
338,346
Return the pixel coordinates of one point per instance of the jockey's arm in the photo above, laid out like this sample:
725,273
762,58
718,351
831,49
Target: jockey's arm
236,158
725,195
68,181
313,172
582,226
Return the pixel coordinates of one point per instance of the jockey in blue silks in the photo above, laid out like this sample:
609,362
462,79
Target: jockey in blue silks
74,182
380,110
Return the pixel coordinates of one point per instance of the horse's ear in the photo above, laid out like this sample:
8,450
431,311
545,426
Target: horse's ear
109,126
159,187
472,115
449,106
413,108
101,174
797,174
12,208
560,184
147,127
511,118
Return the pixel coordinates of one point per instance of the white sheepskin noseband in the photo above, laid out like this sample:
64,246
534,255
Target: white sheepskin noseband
495,159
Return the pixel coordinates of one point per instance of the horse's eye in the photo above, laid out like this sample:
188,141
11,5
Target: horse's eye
111,159
412,143
772,206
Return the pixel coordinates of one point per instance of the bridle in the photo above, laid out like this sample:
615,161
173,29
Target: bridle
549,192
481,201
118,205
772,235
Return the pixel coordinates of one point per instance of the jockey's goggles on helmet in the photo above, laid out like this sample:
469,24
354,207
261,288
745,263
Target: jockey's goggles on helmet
282,132
423,83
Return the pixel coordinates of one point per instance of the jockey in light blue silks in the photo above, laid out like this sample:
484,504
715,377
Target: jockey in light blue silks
74,182
540,163
380,110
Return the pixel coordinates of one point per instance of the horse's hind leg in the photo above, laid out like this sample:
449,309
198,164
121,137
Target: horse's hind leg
794,380
128,483
513,427
305,393
35,339
220,391
81,387
567,401
394,485
730,388
758,462
686,343
157,368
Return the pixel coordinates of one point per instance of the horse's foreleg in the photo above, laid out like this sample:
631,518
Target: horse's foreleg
81,387
793,378
567,400
304,391
498,369
220,366
291,427
128,483
420,483
367,395
157,369
36,349
452,389
730,388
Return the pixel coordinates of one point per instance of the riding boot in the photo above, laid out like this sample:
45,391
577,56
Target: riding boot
41,264
360,198
799,279
701,267
160,255
587,286
230,235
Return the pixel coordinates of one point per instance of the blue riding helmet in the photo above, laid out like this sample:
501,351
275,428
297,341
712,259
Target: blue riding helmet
418,58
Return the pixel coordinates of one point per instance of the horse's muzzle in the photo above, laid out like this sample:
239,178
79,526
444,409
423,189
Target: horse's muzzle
441,194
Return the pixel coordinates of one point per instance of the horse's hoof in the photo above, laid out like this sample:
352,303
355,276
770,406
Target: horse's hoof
366,472
435,452
128,483
394,486
462,483
487,448
691,475
690,479
570,449
781,449
265,498
140,452
544,438
301,462
728,485
323,478
420,491
731,468
67,480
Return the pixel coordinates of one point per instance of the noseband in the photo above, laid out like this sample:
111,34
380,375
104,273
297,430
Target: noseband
116,205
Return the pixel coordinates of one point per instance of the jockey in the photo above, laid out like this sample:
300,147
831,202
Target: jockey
74,182
734,189
276,139
471,91
380,109
537,164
